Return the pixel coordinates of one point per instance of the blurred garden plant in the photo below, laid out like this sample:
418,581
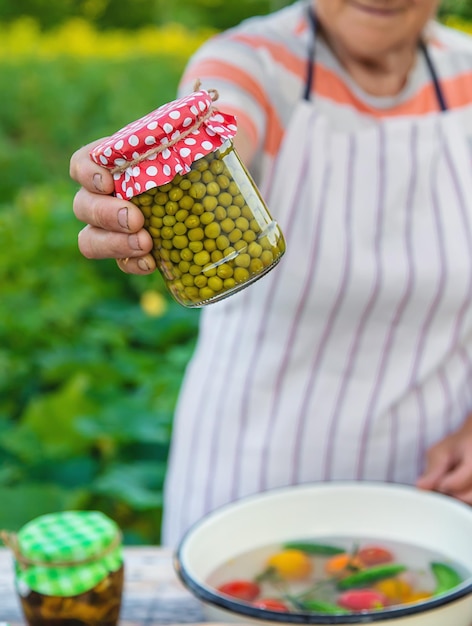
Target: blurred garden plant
90,359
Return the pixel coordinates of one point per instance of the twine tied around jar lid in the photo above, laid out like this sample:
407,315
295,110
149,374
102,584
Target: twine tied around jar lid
214,95
10,539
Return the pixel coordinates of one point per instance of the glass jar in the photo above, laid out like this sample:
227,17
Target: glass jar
69,569
213,234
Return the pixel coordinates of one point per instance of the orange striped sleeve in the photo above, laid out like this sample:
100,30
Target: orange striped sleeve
222,70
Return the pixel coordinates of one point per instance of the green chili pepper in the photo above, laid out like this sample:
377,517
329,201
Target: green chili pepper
313,548
446,577
319,606
371,575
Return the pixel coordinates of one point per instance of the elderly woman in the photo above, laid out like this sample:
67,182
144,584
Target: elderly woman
353,359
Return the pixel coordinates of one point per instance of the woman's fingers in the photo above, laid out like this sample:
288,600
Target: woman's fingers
142,265
107,212
88,174
114,227
97,243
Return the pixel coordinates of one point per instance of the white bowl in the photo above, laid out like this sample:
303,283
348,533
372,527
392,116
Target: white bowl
375,510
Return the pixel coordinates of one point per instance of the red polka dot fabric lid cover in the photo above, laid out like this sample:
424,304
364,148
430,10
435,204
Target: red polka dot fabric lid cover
166,124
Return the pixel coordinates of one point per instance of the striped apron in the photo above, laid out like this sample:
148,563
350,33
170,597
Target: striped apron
354,355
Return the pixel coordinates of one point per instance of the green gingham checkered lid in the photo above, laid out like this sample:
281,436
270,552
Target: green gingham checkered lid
67,553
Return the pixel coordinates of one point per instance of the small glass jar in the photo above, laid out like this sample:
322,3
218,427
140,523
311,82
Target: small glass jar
213,234
69,570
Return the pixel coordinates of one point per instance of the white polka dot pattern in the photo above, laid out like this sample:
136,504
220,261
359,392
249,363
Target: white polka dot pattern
160,127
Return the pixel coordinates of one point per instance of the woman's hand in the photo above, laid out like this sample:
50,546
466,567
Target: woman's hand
449,465
114,227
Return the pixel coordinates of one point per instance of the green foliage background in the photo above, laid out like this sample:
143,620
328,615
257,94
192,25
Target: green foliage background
88,380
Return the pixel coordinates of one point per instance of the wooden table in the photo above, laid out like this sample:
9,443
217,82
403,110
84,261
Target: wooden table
153,594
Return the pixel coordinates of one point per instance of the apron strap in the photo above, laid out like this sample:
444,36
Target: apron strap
311,65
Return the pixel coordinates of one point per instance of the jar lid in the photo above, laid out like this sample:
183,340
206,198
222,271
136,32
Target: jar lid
155,148
67,553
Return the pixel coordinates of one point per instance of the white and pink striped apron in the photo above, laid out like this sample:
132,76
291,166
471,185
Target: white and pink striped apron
354,355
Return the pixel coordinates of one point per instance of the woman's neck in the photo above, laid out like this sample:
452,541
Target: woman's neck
384,75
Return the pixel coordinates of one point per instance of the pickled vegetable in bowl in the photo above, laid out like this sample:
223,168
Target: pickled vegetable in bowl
336,576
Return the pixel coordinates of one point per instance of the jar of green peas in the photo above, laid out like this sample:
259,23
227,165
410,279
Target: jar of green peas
213,234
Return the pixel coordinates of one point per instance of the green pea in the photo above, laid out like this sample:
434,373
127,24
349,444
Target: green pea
171,207
158,211
186,203
217,166
224,271
175,194
181,215
254,249
192,221
197,191
213,230
215,283
222,242
256,266
196,234
187,280
186,255
167,232
206,293
207,177
220,213
206,218
202,258
168,220
209,244
223,181
213,189
194,175
209,202
180,242
180,229
227,225
200,281
195,269
242,260
145,199
233,211
196,246
235,235
233,188
241,275
185,184
225,199
156,222
161,198
174,256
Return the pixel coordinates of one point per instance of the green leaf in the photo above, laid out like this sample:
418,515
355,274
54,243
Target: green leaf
47,428
138,485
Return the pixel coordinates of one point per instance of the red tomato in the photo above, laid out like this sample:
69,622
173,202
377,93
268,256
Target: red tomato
271,604
374,555
241,589
362,599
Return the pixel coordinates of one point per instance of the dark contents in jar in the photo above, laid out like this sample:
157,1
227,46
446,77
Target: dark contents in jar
212,233
99,606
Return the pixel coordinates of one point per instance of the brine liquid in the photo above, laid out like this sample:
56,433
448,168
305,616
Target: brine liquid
251,564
